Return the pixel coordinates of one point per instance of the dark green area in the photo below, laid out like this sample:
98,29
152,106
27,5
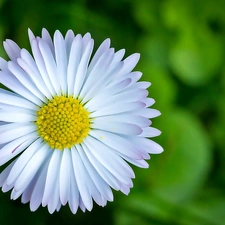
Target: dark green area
182,46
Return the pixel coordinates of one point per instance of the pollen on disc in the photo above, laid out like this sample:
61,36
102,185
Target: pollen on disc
63,122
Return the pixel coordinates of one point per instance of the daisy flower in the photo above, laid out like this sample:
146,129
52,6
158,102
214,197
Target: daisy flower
71,122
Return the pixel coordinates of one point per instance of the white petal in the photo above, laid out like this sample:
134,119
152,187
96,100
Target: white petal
73,63
69,40
86,39
58,206
81,204
82,68
129,64
117,58
16,146
74,193
118,143
25,79
103,172
81,178
147,112
100,83
110,160
31,168
52,176
116,127
126,118
22,161
142,84
3,123
54,200
100,51
116,87
148,145
6,187
28,64
41,66
61,60
8,80
12,131
130,96
7,108
30,35
95,75
148,101
104,96
12,49
117,108
125,189
9,98
38,191
50,65
107,98
3,65
64,176
140,163
5,173
134,76
15,194
46,36
21,117
101,185
150,132
26,194
96,195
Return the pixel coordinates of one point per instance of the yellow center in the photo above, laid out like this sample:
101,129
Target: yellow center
63,122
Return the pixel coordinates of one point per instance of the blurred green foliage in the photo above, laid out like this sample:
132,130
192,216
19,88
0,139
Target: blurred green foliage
182,46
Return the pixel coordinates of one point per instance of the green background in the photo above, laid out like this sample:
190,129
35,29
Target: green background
182,46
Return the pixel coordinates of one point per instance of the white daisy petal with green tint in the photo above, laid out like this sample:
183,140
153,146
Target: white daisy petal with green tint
71,122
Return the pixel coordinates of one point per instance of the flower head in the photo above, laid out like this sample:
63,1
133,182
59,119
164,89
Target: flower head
70,123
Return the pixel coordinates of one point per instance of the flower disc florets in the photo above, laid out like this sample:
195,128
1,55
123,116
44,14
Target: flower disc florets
63,122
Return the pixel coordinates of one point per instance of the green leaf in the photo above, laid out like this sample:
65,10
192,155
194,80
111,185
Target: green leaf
195,58
141,208
179,173
146,13
148,208
209,206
